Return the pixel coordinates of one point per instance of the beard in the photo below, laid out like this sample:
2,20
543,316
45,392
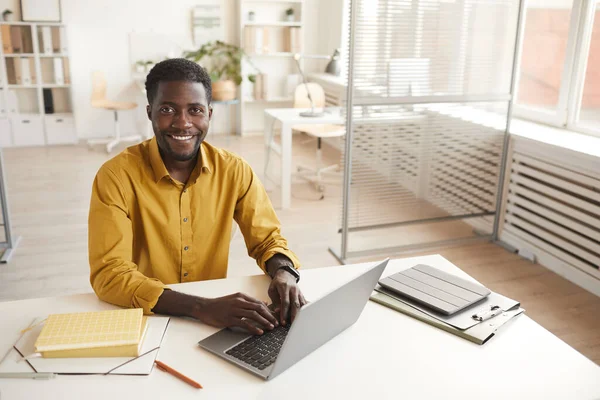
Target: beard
165,145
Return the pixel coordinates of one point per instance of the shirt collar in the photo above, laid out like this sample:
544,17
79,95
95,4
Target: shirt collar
159,168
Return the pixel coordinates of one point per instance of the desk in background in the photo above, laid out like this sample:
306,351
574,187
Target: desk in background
385,355
288,117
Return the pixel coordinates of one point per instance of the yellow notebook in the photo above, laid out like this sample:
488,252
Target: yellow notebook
115,333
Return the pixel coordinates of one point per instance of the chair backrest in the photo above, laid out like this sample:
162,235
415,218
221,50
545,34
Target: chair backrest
301,95
98,88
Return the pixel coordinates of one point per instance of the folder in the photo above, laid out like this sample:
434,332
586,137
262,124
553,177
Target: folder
479,333
16,39
56,43
6,39
140,365
62,34
27,40
466,326
11,71
18,70
46,42
59,77
25,70
66,71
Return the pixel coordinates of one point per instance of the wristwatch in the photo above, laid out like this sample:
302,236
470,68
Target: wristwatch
291,270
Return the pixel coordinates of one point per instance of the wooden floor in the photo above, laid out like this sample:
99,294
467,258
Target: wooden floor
49,192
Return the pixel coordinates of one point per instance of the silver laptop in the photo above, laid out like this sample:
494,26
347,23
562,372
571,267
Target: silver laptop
270,354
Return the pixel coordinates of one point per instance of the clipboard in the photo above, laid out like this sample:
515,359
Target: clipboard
14,361
492,305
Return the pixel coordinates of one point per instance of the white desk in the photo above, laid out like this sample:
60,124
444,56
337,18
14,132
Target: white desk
385,355
288,118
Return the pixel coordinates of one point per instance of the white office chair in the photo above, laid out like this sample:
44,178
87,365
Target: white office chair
301,100
99,100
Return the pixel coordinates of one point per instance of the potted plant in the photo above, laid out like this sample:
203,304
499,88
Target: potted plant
223,62
290,14
7,15
251,16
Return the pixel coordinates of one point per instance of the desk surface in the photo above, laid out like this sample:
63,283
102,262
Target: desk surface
292,116
385,355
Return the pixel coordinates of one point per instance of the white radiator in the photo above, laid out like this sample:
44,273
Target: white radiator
551,209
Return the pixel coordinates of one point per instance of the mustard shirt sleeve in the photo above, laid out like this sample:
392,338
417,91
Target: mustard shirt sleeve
114,277
257,220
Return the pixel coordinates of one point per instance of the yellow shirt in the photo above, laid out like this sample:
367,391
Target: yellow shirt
147,230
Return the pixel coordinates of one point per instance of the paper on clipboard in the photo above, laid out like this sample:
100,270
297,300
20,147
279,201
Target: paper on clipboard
463,319
141,365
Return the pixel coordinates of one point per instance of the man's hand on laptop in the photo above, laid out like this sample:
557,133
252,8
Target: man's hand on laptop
286,296
238,310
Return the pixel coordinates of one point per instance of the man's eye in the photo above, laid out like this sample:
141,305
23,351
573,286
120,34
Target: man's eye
197,111
166,110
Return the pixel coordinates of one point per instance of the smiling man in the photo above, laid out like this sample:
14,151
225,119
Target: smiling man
161,213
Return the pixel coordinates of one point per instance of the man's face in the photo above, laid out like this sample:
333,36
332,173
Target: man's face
180,116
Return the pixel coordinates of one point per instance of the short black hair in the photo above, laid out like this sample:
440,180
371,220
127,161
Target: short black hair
177,69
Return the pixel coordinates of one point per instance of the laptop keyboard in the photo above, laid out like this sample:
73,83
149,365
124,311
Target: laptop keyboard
260,351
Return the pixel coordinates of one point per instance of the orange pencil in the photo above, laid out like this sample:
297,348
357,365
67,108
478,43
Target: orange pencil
176,374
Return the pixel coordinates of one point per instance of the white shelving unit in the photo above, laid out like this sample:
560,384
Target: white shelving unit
268,42
23,117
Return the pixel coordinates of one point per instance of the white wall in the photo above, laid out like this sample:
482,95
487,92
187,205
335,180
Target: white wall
99,32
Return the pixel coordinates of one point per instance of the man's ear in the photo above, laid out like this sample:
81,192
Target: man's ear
210,110
149,112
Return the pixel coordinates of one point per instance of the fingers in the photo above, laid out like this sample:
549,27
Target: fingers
260,309
303,301
294,302
257,318
284,303
246,324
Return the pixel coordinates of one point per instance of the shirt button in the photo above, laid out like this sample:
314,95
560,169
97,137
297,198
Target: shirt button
185,274
184,190
185,220
186,248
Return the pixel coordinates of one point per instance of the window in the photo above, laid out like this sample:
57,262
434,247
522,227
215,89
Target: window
589,115
559,72
544,46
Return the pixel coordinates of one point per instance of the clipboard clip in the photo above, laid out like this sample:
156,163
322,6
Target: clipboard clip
485,315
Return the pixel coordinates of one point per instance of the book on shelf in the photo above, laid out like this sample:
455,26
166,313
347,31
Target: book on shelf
257,40
46,40
16,39
27,40
67,71
18,70
56,39
48,101
62,34
26,67
260,87
12,102
6,40
11,72
59,77
293,39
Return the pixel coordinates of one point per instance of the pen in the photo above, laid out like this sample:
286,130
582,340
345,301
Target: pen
27,375
176,374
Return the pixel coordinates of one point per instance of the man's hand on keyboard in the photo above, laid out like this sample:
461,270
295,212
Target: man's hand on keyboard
286,296
239,310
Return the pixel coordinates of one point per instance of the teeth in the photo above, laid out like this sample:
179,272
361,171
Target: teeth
181,137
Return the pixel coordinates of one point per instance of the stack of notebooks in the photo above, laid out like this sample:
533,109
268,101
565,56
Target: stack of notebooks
115,333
